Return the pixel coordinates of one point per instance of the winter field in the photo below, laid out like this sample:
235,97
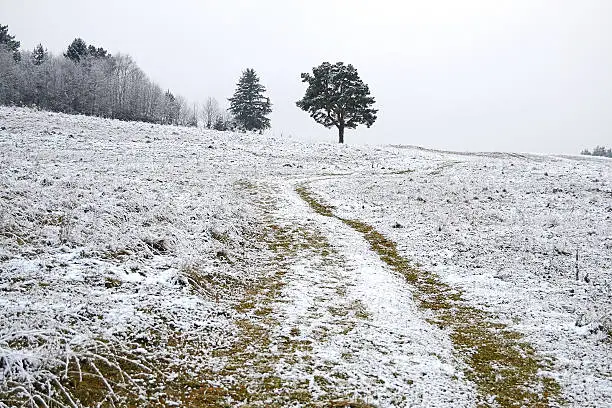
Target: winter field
148,265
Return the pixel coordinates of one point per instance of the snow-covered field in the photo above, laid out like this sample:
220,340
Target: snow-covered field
506,230
150,265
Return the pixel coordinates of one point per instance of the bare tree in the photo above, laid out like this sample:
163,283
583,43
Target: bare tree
195,114
186,115
9,77
210,112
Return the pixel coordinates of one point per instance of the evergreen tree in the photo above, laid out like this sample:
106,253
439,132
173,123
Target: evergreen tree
220,123
223,121
97,52
248,105
39,55
9,42
77,50
598,151
336,96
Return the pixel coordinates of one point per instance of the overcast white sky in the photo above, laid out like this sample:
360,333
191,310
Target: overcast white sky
520,75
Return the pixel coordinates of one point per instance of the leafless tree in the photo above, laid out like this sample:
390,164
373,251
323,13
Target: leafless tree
210,112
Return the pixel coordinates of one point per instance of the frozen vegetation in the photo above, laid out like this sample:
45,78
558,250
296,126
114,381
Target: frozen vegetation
149,265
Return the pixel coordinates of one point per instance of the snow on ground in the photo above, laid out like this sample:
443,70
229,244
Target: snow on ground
506,229
373,333
143,243
101,226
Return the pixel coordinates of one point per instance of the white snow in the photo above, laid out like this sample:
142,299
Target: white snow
102,221
391,352
505,229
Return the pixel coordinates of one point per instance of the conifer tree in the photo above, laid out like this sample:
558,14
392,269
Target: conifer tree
220,123
97,52
336,96
39,55
77,50
9,42
248,105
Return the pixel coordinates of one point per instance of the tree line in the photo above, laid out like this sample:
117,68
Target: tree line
598,151
89,80
86,80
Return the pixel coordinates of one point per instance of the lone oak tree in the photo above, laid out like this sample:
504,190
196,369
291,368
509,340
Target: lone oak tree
336,96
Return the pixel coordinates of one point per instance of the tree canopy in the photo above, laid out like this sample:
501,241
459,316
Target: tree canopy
39,55
336,96
78,50
9,42
248,105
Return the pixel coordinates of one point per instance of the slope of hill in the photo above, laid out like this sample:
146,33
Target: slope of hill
150,265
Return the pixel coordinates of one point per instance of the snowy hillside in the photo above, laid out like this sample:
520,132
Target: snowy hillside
147,265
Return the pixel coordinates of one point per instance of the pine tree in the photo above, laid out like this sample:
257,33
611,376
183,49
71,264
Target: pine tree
248,105
97,52
336,96
220,124
77,50
39,55
171,109
9,42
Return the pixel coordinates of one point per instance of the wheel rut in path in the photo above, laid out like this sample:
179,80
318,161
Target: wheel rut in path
327,324
506,371
368,340
271,363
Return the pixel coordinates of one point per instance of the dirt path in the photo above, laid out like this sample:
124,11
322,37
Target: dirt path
339,318
369,341
505,370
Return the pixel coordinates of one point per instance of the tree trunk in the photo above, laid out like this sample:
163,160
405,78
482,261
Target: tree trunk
340,134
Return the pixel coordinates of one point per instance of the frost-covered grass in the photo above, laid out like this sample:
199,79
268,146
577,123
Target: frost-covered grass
151,265
115,241
123,249
503,368
505,230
